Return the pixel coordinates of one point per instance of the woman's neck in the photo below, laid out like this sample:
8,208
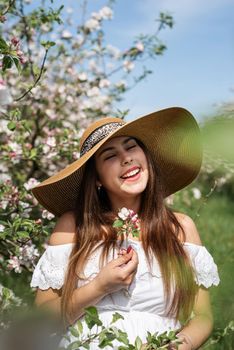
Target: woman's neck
129,203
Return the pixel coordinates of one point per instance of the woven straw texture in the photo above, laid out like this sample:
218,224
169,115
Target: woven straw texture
171,135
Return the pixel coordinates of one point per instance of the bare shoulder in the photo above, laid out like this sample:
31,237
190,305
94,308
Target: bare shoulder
65,230
189,227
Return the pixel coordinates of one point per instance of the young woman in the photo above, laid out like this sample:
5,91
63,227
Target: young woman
160,281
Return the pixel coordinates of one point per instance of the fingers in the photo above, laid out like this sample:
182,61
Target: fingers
131,265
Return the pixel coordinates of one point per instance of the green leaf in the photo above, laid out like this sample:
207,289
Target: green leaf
105,338
79,326
33,153
138,343
91,317
116,316
26,125
11,125
17,63
74,345
123,337
23,234
3,45
6,293
48,44
74,332
7,62
118,223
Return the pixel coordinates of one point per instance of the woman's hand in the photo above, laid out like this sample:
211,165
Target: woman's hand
118,273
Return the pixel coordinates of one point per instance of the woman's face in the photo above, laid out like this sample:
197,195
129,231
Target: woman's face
122,167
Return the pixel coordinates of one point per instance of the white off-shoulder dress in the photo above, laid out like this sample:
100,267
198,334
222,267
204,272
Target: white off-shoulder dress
143,307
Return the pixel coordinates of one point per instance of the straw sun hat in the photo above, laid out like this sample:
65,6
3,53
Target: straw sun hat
171,135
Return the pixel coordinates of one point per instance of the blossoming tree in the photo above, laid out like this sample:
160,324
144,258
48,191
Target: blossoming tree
56,74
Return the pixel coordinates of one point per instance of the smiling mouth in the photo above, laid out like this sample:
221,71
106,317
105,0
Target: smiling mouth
131,173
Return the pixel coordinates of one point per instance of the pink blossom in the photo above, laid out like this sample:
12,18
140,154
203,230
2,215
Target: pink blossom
15,41
31,183
51,141
140,46
128,66
14,264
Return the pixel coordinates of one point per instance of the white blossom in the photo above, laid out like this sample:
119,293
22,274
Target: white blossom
61,89
2,227
5,96
121,84
50,113
3,204
106,13
75,155
47,215
15,147
31,183
114,51
79,39
94,91
221,181
66,34
51,141
24,204
14,264
140,46
3,125
92,24
82,76
4,177
96,15
196,193
128,66
45,27
123,213
28,253
46,149
104,83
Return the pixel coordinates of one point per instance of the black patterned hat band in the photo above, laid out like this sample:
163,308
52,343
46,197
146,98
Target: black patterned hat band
97,135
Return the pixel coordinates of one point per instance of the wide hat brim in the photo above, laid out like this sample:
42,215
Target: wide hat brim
172,136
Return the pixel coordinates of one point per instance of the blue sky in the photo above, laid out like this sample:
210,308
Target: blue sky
196,71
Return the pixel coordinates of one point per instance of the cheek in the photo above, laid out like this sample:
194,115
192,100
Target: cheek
106,173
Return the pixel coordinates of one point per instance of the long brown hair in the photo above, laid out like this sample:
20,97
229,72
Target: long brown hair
160,231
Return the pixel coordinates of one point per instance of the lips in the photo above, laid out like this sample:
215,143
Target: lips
131,172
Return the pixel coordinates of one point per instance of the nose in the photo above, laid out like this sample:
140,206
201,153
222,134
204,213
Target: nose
126,158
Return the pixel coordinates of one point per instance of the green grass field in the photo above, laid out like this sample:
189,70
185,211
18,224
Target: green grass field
216,227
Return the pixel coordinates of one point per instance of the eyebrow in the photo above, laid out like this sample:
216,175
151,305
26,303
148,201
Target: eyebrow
112,148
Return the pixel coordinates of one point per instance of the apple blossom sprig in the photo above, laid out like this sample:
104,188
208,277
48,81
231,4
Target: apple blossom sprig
127,223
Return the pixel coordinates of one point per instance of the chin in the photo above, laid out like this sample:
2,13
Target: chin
135,190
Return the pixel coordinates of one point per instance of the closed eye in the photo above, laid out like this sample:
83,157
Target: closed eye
130,147
110,156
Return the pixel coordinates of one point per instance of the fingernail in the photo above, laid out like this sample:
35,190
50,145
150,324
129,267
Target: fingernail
129,249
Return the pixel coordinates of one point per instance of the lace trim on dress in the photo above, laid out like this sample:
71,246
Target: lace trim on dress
51,267
205,269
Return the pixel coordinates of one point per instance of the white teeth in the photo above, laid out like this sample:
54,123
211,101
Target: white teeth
132,173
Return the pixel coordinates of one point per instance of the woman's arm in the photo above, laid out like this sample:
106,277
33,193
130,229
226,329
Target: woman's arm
115,275
198,329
